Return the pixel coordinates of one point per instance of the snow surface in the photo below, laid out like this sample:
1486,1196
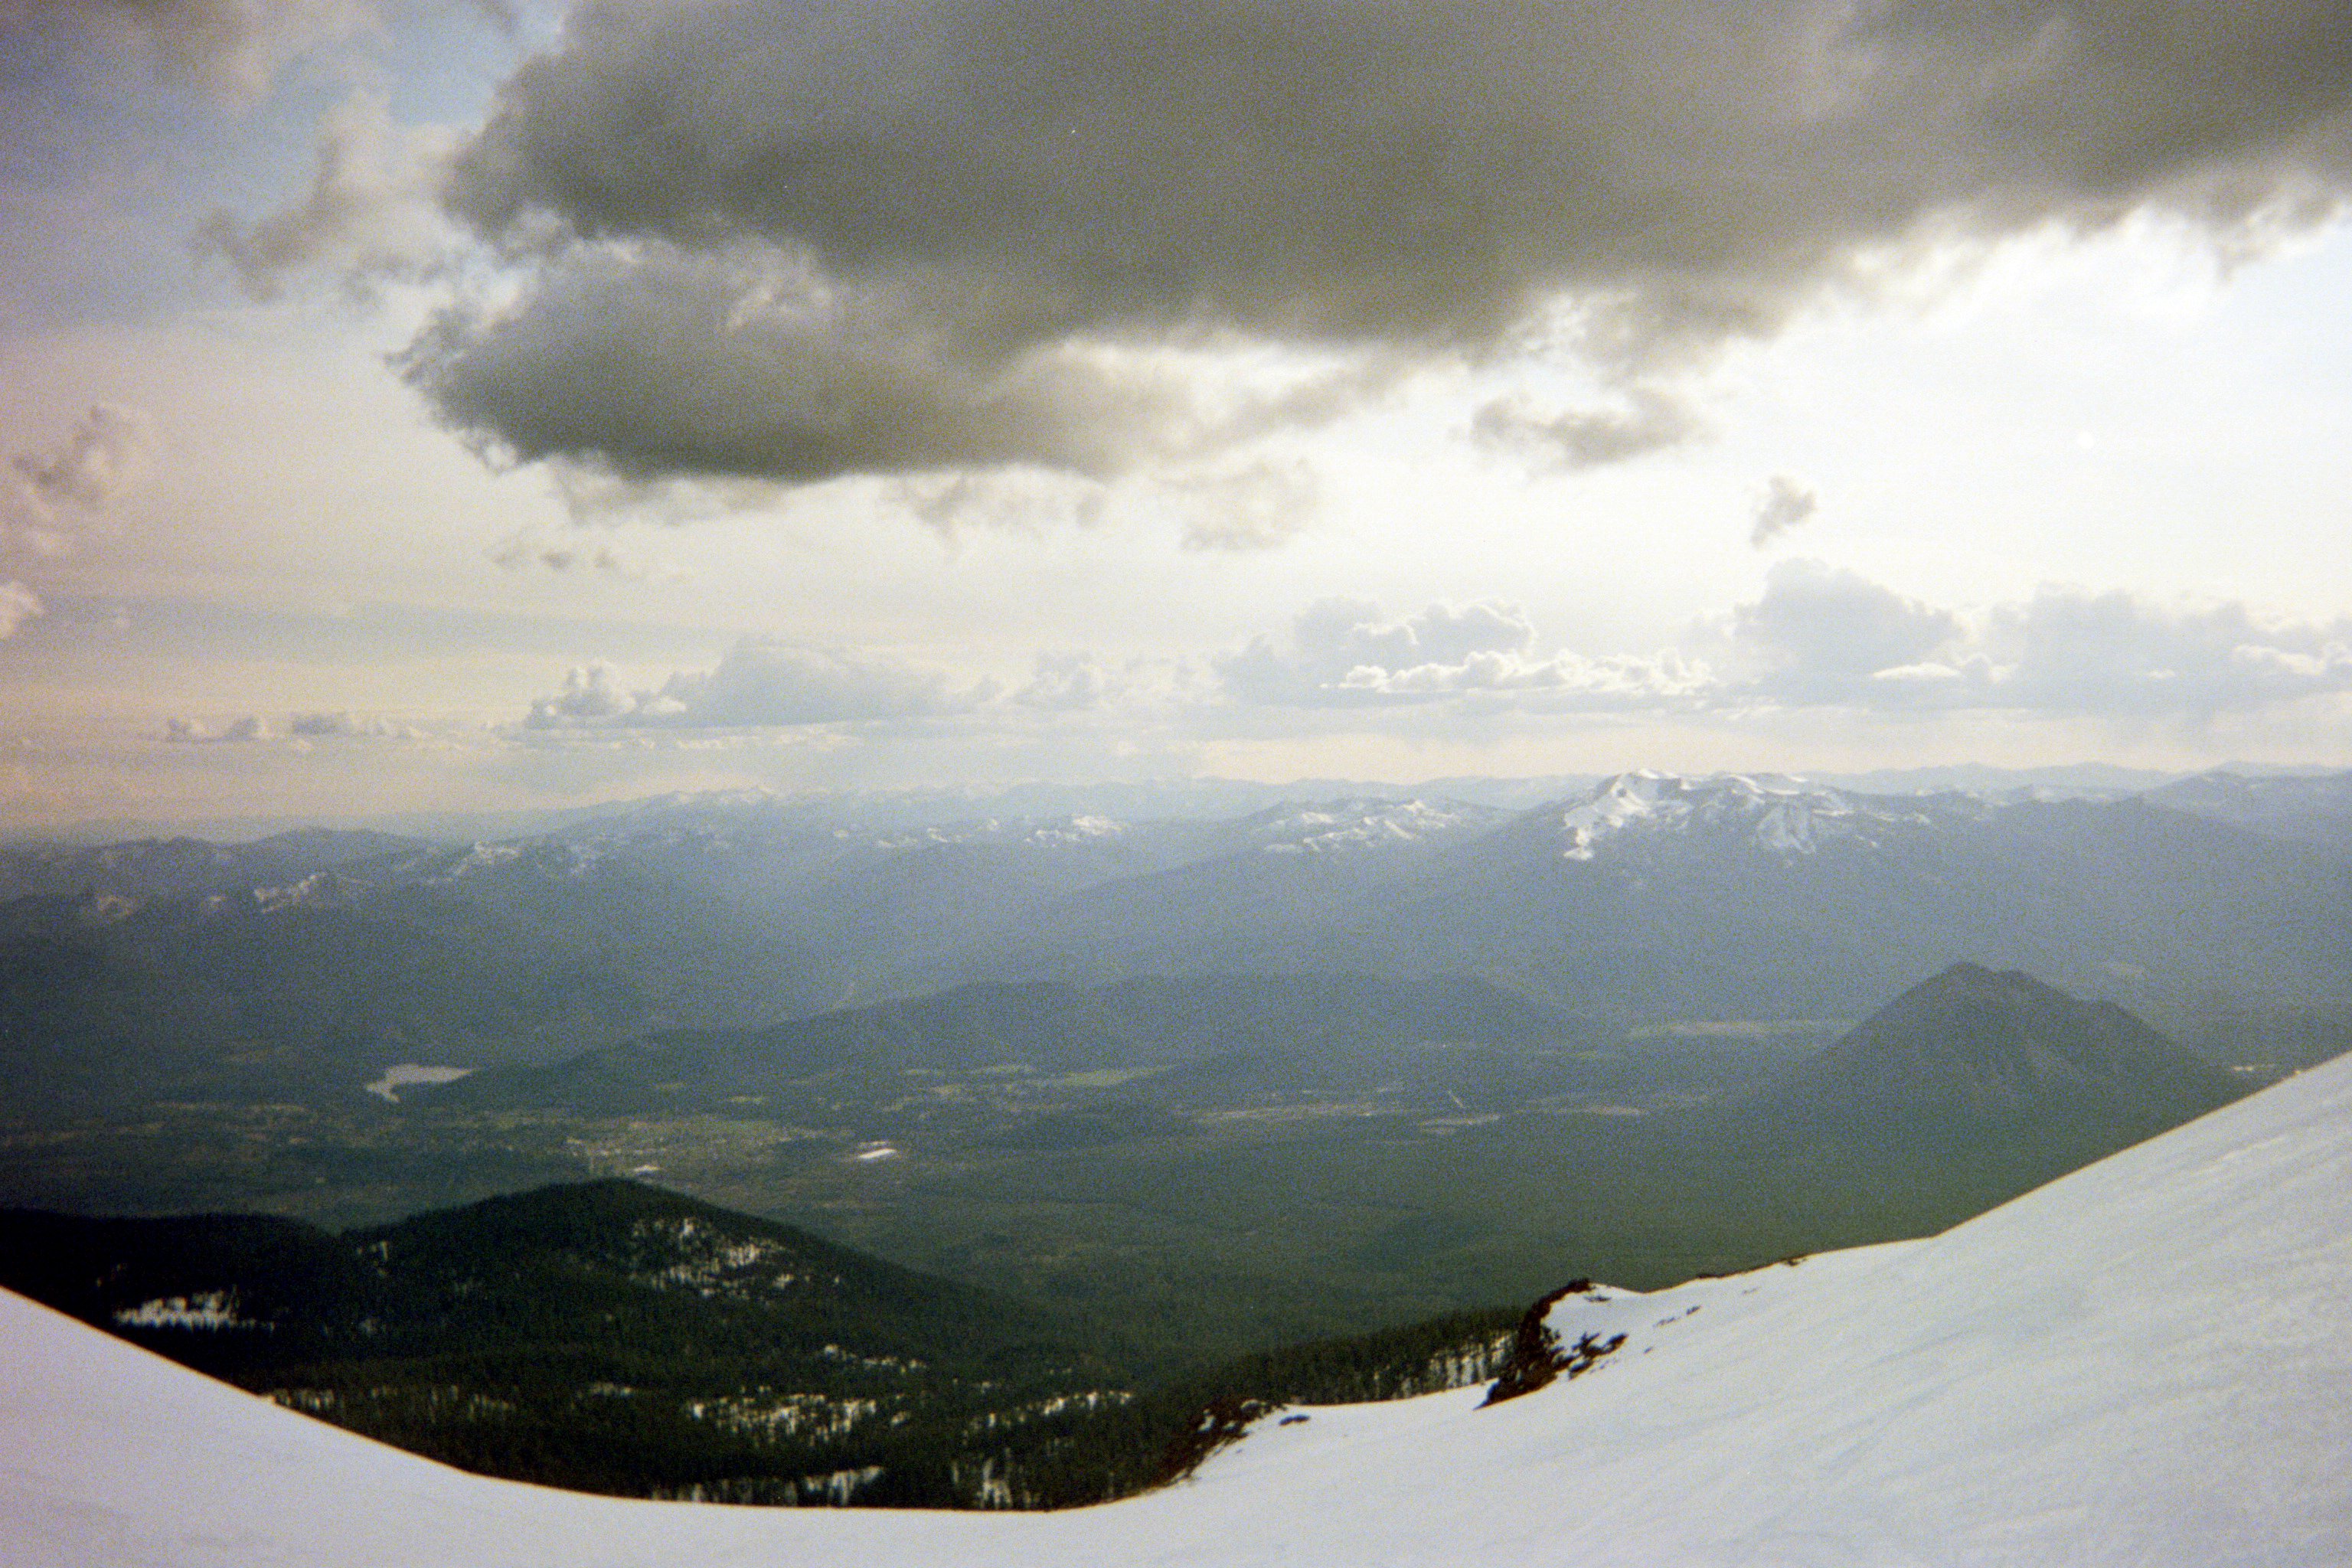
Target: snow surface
1786,818
2147,1362
1337,826
407,1075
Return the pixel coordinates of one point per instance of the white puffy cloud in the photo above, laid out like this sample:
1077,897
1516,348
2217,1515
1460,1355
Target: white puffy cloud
1820,634
758,683
1817,637
1342,653
241,732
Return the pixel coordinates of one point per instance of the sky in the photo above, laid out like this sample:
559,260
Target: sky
440,404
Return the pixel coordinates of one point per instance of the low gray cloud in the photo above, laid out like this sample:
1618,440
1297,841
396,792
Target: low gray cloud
758,683
1587,437
529,548
1066,682
1342,653
952,198
673,363
1786,503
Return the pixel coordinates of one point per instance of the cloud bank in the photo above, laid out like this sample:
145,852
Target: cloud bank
758,683
789,241
1340,653
1817,637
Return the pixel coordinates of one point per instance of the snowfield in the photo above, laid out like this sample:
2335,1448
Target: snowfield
2147,1363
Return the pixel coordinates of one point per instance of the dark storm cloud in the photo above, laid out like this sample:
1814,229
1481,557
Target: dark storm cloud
946,195
656,360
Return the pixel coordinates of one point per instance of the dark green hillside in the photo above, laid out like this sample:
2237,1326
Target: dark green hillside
606,1336
614,1338
1980,1055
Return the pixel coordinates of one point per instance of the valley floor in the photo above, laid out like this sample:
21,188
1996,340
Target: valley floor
2147,1361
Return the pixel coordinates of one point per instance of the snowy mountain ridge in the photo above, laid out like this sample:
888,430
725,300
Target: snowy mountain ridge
2150,1360
1783,818
1340,825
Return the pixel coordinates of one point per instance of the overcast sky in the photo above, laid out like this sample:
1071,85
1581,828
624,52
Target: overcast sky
445,406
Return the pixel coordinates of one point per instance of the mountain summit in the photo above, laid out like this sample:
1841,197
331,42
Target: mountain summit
1996,1045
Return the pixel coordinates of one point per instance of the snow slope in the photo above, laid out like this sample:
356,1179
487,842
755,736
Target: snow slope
2147,1362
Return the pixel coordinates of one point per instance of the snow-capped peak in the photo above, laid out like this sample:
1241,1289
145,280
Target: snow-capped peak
1047,833
1332,826
1785,818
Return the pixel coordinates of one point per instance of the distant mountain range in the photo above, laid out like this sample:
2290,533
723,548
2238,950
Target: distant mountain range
305,965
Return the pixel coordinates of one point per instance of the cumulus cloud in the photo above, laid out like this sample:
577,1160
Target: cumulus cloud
1066,682
338,725
18,604
652,360
1818,637
2071,651
1786,503
1342,653
1829,638
368,206
1587,437
951,198
1820,632
758,683
247,731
